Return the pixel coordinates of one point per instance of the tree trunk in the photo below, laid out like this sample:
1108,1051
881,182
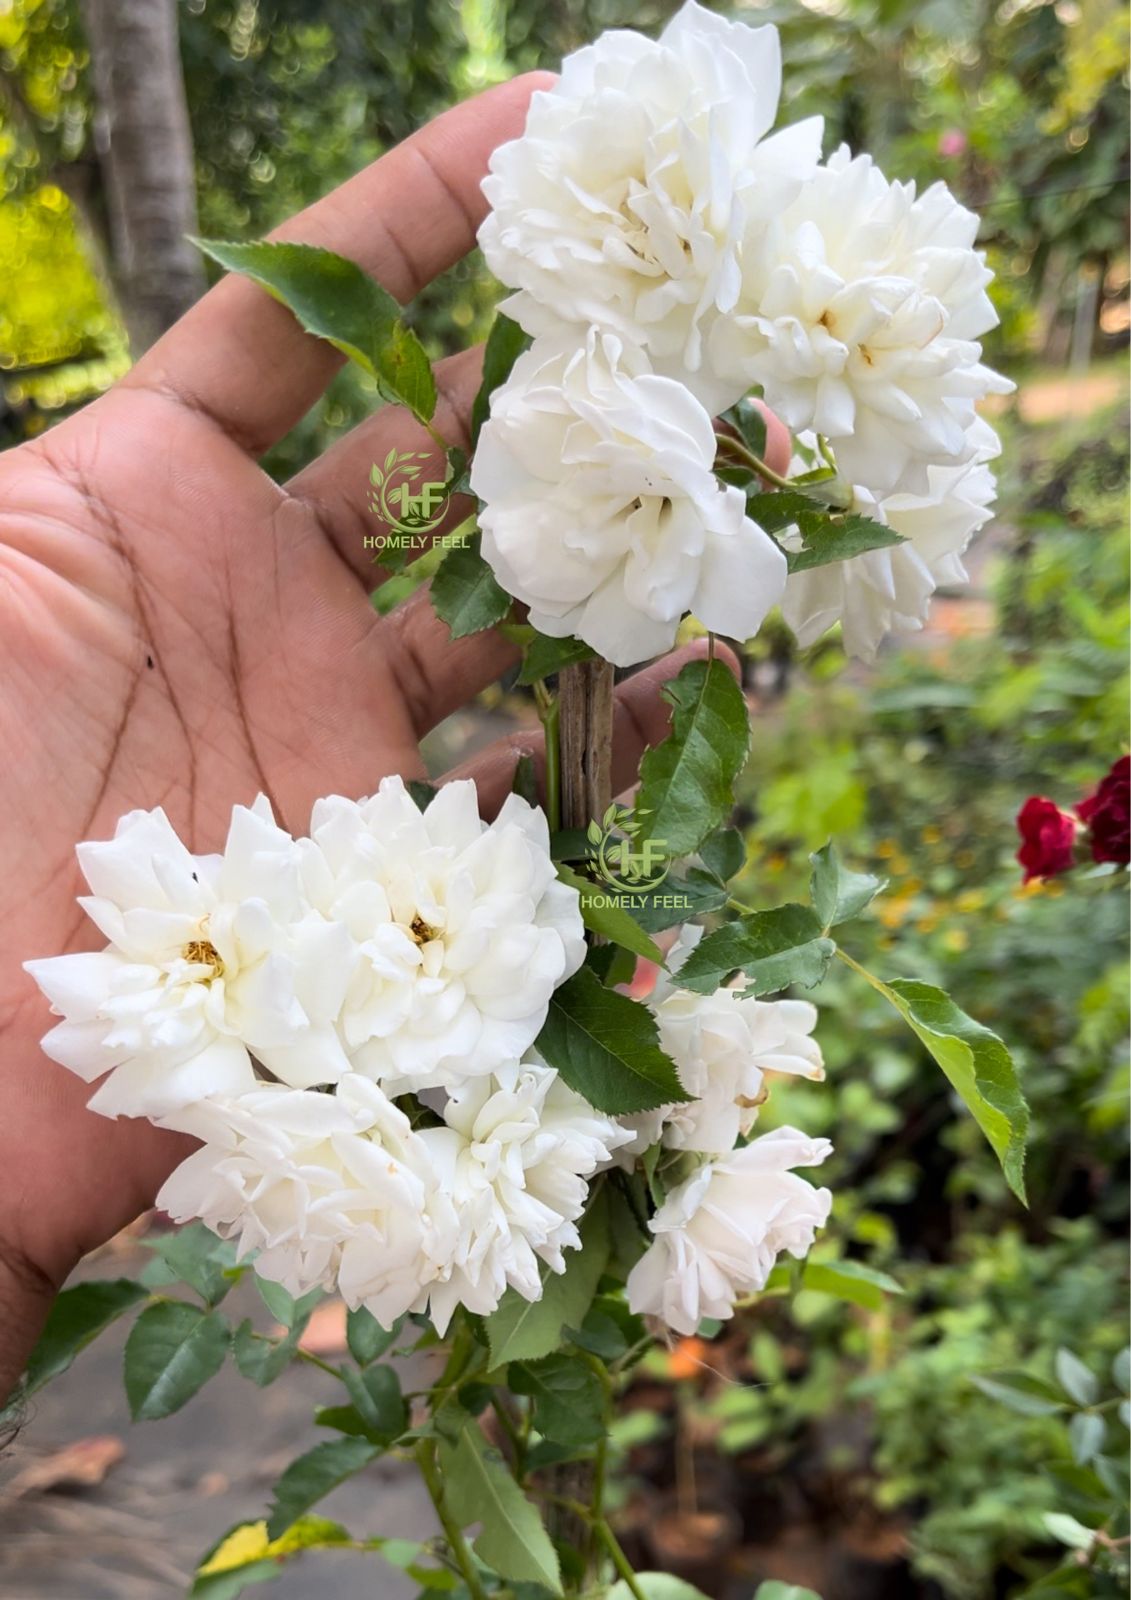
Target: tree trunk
144,146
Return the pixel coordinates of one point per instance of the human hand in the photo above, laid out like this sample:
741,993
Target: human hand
179,630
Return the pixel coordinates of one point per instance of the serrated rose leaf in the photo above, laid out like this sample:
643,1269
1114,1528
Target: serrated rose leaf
335,300
687,781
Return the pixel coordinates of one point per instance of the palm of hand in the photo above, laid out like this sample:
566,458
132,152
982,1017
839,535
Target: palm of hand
178,632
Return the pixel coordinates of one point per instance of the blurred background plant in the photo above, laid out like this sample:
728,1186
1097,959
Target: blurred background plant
963,1437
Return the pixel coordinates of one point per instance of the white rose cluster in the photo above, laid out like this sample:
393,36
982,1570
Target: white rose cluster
275,1001
669,255
722,1227
347,1023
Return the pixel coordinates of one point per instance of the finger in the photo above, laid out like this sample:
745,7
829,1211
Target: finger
336,487
242,360
779,443
641,718
435,673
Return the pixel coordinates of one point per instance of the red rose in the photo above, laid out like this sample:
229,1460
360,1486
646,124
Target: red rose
1047,838
1107,815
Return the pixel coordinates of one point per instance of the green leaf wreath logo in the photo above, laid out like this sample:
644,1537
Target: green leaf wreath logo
402,497
619,859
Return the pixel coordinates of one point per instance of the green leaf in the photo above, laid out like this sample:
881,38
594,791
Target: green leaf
313,1475
784,1591
1086,1436
376,1394
525,780
850,1280
677,900
505,343
1121,1370
837,894
77,1317
227,1585
687,781
1068,1531
826,535
569,1402
1029,1397
283,1306
260,1359
612,964
194,1255
750,425
478,1487
602,913
344,1419
172,1351
336,301
605,1046
465,594
421,793
657,1586
366,1338
601,1334
1078,1381
545,656
526,1330
723,854
773,948
978,1066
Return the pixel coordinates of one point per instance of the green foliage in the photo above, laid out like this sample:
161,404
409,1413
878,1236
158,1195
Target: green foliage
172,1351
366,1338
336,301
853,1281
977,1064
465,594
604,915
311,1477
77,1317
687,781
657,1586
193,1255
773,948
826,535
478,1487
606,1046
784,1591
505,343
527,1330
567,1396
376,1395
260,1359
839,895
545,656
723,854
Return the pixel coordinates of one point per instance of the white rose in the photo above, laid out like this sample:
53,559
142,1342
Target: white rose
719,1233
860,314
871,594
601,509
625,200
722,1045
513,1163
210,958
332,1190
462,929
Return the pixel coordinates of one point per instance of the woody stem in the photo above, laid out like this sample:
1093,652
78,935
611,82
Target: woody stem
585,695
